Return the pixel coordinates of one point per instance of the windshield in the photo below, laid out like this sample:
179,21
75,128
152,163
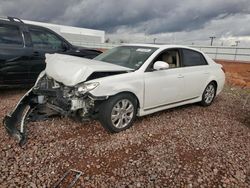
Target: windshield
127,56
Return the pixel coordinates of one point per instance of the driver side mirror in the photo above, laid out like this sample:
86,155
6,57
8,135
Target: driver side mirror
160,65
65,46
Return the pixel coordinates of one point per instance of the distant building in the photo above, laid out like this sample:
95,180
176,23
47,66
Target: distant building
75,35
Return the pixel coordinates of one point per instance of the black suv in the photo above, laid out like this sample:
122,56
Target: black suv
23,48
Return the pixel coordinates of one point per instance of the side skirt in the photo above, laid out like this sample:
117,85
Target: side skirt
143,112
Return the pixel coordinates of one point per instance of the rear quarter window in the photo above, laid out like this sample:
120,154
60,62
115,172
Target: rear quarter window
10,35
192,58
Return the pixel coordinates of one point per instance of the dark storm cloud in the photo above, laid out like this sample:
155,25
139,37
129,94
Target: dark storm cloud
152,17
39,10
192,16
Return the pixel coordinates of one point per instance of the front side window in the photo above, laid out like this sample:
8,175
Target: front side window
43,39
171,57
10,35
192,58
127,56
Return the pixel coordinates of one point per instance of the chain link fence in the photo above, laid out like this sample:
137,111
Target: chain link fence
227,53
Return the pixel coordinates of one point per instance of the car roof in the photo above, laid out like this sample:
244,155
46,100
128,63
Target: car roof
162,46
17,21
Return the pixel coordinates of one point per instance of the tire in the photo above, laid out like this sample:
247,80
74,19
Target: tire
208,94
123,108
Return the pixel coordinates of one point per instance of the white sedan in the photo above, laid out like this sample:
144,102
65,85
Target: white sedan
118,85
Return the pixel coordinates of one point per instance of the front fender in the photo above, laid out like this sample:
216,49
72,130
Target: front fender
110,88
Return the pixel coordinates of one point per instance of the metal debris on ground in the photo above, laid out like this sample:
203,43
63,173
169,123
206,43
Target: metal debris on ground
246,101
71,183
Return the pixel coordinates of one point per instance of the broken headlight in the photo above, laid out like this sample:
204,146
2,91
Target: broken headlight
84,88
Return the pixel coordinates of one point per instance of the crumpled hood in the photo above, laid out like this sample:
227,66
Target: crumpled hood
71,70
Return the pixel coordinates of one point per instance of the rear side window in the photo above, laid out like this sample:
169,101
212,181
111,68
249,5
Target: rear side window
10,35
45,40
192,58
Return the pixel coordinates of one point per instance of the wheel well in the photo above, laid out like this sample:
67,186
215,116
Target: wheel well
128,92
215,83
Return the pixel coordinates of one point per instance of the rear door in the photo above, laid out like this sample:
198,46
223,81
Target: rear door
43,42
195,71
14,58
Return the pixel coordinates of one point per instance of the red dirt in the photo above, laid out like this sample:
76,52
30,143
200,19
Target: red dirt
237,73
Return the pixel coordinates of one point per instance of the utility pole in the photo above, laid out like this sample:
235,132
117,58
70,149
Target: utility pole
145,34
212,39
154,40
237,42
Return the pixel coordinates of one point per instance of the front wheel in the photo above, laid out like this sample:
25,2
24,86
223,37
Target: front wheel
208,94
118,112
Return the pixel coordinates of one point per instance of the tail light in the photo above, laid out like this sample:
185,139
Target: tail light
222,68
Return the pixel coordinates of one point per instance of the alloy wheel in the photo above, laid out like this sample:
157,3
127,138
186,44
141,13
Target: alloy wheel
122,113
209,93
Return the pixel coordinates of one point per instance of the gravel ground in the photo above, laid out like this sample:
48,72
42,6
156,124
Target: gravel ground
189,146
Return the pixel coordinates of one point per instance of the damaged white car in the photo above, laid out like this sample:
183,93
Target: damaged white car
118,85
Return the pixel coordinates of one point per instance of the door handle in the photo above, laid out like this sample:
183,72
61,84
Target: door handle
180,76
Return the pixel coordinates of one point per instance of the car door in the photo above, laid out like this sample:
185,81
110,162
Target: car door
43,42
14,58
195,71
162,87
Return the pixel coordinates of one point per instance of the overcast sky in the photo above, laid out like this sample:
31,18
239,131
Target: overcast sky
169,21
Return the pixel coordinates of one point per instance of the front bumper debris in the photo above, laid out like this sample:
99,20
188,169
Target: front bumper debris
14,123
49,98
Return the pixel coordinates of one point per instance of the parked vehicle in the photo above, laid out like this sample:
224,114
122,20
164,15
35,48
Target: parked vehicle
23,48
118,85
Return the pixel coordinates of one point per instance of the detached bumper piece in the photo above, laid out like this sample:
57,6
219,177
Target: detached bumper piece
14,123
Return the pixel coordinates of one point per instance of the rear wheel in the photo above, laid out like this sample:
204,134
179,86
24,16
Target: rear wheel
208,94
118,113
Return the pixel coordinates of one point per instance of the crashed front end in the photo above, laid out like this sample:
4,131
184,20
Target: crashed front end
49,98
64,89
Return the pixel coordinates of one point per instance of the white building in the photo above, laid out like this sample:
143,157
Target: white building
74,35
